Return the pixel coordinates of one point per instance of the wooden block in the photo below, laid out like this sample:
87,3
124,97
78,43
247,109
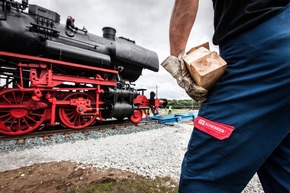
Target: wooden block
205,45
195,55
205,67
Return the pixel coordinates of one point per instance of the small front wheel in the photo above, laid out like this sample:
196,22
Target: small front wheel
137,116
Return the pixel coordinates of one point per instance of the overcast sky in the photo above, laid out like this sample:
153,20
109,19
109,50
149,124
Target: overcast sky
146,22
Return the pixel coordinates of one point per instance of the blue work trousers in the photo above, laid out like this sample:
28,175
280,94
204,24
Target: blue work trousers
253,96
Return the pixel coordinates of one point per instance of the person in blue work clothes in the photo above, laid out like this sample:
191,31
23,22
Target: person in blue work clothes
243,124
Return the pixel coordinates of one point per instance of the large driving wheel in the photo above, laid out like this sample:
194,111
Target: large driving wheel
71,117
19,114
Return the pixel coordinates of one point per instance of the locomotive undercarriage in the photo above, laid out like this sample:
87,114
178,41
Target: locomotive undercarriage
48,97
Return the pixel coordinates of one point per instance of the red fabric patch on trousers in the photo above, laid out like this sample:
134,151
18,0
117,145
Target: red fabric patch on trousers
217,130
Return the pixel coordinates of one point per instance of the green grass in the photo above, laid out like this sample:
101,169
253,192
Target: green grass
159,185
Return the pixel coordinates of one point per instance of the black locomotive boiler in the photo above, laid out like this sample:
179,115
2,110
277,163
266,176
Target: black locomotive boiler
58,73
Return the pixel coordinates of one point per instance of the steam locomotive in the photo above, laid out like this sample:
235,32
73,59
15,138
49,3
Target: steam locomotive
54,73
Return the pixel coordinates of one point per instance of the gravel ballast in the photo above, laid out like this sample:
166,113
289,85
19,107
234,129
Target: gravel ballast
148,151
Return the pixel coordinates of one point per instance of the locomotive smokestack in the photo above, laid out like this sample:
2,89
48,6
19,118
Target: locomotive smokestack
109,33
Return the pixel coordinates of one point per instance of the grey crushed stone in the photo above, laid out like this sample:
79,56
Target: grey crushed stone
148,151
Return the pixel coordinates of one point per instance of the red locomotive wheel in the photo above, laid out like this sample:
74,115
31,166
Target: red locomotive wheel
137,116
22,120
71,118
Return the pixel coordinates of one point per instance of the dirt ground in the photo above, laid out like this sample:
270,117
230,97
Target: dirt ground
57,177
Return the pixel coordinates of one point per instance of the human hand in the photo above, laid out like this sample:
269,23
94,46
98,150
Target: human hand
176,67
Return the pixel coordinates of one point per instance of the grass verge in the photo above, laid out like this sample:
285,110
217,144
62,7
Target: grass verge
160,185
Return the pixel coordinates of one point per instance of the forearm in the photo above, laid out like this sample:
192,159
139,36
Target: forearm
182,19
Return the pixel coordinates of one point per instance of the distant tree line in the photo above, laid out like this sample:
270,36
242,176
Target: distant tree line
183,104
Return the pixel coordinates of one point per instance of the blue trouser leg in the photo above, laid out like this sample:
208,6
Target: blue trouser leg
254,97
274,173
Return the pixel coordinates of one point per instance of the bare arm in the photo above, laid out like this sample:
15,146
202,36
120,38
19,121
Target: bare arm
182,19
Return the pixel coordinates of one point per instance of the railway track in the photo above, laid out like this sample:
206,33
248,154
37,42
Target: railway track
46,133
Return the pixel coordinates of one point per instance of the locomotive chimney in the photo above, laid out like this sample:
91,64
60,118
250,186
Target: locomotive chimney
109,33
